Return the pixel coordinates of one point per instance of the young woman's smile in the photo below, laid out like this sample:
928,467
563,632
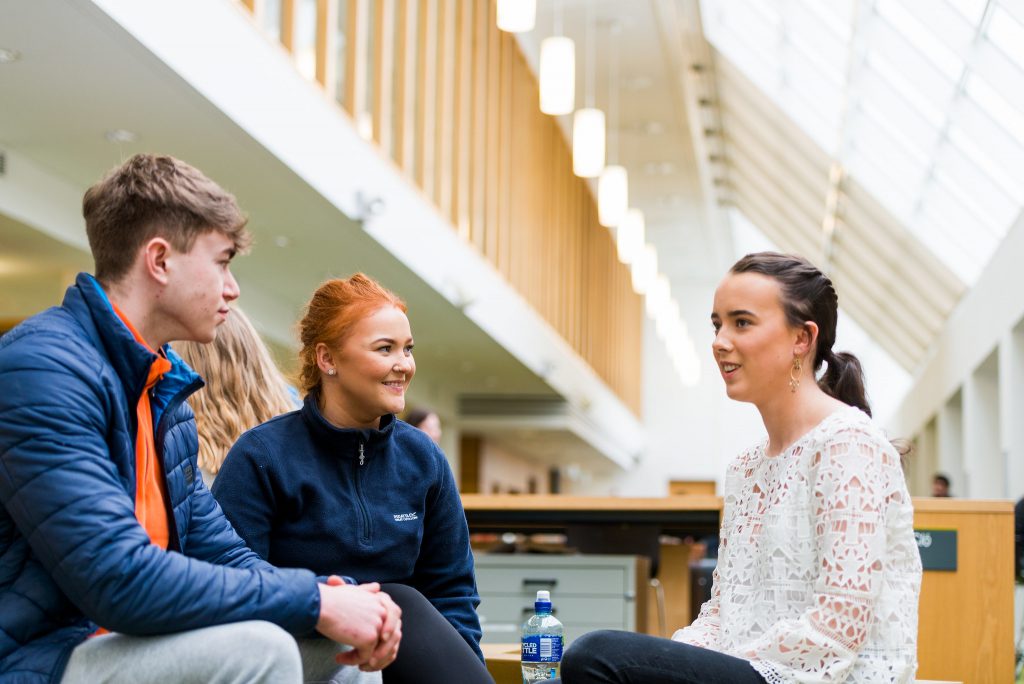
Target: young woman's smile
373,368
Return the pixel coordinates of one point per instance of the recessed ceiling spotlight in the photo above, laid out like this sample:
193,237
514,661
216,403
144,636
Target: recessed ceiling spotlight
638,83
663,168
653,127
7,55
120,135
282,241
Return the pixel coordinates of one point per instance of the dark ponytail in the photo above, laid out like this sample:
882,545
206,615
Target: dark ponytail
844,380
808,295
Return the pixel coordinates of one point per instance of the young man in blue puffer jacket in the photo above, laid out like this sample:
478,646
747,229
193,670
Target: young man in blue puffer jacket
115,561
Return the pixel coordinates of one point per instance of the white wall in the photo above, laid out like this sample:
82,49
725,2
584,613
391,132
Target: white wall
972,383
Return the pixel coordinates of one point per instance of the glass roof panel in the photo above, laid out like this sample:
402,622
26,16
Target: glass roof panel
836,15
886,150
892,191
967,269
971,10
1002,148
996,106
1007,34
965,144
992,65
972,187
888,109
1013,7
950,29
905,63
901,83
956,169
921,101
816,37
948,213
921,38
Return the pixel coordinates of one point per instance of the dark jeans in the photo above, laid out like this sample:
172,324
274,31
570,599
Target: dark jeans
610,657
431,649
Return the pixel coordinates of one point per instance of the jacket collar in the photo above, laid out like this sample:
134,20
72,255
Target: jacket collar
344,441
88,303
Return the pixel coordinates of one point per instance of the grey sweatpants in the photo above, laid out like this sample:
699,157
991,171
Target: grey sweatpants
239,653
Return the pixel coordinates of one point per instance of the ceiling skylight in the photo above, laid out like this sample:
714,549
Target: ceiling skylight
920,101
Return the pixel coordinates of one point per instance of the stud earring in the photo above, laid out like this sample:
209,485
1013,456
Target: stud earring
331,371
794,374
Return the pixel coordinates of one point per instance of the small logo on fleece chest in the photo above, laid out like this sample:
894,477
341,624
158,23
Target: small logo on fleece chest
403,517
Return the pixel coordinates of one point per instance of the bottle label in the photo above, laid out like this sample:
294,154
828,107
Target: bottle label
542,648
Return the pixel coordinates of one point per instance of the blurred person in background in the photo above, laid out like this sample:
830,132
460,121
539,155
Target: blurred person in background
427,420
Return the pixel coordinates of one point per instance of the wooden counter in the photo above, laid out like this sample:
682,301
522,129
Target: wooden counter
694,513
965,628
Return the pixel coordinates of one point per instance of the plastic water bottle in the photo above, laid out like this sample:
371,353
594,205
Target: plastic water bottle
542,642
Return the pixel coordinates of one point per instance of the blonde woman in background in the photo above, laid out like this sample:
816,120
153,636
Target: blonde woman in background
244,388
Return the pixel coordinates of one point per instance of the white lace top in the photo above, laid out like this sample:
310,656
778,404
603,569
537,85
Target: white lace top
818,571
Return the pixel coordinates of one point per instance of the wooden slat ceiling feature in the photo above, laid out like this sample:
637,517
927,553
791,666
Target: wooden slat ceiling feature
889,282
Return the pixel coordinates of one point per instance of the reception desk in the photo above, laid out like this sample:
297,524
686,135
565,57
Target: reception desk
692,515
965,630
966,612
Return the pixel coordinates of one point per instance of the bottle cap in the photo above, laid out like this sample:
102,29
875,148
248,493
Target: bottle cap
544,596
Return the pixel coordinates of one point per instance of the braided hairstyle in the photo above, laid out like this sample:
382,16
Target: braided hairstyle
808,295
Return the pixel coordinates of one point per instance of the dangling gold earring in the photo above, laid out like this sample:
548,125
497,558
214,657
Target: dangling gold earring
794,374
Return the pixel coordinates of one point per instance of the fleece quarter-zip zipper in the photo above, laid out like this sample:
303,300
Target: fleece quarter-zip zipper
364,533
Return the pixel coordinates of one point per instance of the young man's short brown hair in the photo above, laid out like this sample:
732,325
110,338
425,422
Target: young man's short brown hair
150,196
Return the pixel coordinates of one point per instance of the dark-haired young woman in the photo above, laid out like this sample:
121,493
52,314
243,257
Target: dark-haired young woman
818,572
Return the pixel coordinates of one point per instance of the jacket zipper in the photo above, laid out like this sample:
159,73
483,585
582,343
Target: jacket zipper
364,536
158,442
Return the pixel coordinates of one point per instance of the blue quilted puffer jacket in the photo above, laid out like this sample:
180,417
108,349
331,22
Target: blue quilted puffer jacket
72,554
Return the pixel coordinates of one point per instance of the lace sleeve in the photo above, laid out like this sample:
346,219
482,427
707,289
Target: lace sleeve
704,631
855,484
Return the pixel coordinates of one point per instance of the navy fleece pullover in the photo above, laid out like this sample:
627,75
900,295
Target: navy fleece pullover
376,505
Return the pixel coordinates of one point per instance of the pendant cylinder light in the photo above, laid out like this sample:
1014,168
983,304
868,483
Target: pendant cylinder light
669,324
557,75
658,296
612,196
629,236
517,16
613,187
644,270
588,125
588,142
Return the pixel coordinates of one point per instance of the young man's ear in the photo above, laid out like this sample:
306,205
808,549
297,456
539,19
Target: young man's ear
154,255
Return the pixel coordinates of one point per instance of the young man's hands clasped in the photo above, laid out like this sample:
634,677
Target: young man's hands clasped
363,617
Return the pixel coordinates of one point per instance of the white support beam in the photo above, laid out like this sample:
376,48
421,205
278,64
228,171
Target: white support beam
1011,404
950,433
983,458
925,461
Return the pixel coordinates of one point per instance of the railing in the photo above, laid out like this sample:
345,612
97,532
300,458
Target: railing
452,101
